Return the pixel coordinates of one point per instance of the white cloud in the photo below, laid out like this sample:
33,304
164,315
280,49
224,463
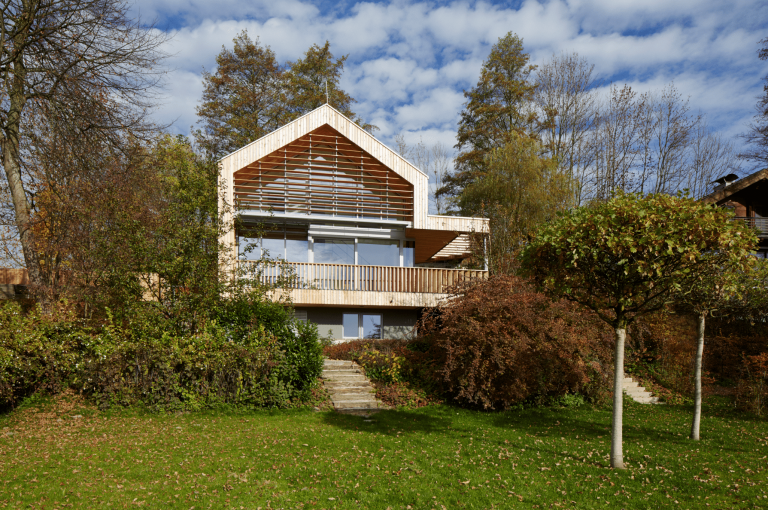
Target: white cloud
409,62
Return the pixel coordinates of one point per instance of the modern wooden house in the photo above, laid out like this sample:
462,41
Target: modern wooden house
748,198
350,216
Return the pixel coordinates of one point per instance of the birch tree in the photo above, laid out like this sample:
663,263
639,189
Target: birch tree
624,258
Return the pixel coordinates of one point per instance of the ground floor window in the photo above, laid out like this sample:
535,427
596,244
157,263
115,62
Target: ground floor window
362,325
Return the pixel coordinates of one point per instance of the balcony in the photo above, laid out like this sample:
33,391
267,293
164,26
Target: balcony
761,224
342,284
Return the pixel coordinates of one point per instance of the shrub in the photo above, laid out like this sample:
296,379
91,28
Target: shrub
269,361
36,353
499,342
752,391
191,373
380,366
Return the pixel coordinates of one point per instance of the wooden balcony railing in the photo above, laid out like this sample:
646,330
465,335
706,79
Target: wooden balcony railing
365,278
761,224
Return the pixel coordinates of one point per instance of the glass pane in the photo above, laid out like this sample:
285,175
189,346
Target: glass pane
331,251
296,250
248,248
350,325
378,253
371,326
409,254
273,248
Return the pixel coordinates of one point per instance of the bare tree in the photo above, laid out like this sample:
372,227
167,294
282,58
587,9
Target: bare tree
567,102
757,136
710,157
674,127
435,161
67,57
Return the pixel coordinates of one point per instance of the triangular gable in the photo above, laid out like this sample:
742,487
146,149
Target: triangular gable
326,115
324,173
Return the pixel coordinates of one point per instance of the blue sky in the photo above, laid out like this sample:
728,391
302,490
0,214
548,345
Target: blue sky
410,61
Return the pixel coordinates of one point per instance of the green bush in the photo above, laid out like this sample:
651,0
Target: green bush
269,359
187,372
36,353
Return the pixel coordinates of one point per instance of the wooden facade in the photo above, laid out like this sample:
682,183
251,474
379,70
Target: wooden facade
324,171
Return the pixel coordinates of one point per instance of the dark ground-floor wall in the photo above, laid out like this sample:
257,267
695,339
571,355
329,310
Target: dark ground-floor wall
396,323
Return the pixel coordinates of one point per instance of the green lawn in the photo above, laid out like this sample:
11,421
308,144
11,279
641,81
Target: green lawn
438,457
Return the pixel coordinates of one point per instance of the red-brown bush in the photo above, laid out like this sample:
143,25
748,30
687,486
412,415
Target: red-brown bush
752,392
499,342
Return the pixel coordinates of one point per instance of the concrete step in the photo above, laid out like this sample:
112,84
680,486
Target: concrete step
340,385
367,397
354,391
637,393
351,391
355,404
342,368
343,377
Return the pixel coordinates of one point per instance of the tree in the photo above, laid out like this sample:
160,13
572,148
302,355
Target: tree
711,157
243,100
626,257
498,106
567,102
757,136
435,161
517,191
715,288
251,94
65,58
314,80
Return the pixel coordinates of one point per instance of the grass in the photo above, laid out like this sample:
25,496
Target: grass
436,457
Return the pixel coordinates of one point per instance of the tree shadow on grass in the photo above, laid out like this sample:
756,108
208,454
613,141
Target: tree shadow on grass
390,422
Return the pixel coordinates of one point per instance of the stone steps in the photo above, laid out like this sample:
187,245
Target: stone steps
637,392
351,392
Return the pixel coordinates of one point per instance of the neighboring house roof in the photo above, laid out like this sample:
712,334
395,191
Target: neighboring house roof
724,193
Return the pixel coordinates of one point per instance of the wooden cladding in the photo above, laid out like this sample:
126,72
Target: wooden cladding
345,277
13,276
323,173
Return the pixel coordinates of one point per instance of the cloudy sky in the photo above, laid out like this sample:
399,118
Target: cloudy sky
409,62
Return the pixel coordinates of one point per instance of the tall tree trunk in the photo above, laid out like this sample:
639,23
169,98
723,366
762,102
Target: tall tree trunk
21,206
617,454
697,379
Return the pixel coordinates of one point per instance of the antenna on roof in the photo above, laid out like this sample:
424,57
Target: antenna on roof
327,101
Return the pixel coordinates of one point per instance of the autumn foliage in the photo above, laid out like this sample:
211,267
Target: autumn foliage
499,342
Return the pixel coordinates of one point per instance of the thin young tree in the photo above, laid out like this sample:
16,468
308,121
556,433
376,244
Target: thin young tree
715,288
62,56
624,258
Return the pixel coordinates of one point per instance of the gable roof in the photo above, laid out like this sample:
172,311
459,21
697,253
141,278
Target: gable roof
318,117
724,193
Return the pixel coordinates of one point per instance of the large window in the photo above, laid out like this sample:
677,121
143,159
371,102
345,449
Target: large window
334,251
292,243
285,242
362,325
372,252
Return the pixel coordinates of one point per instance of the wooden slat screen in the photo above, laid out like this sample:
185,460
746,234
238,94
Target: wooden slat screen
324,173
370,278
